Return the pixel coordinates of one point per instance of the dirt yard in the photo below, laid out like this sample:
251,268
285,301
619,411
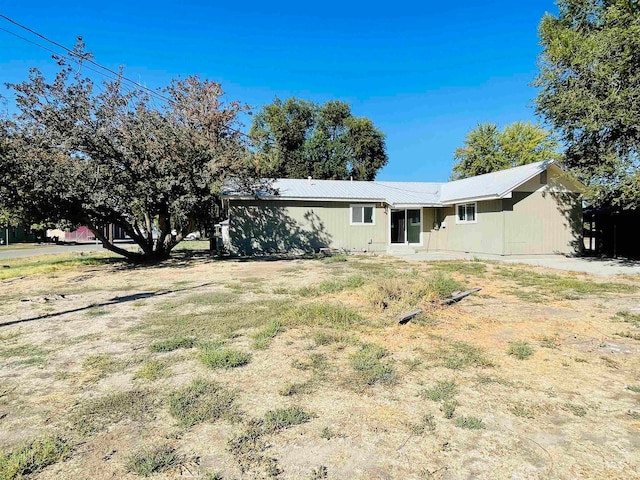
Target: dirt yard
297,369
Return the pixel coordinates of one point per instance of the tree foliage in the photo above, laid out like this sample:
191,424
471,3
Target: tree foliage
589,84
93,155
297,138
487,149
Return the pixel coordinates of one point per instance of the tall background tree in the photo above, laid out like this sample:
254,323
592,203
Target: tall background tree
486,149
150,166
590,92
296,139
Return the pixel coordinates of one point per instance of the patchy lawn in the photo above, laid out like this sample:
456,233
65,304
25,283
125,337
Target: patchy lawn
224,369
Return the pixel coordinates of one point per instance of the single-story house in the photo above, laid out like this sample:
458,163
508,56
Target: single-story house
532,209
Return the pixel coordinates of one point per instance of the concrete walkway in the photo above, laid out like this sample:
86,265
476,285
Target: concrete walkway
592,266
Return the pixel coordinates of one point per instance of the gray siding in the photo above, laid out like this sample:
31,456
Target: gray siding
542,222
484,236
296,226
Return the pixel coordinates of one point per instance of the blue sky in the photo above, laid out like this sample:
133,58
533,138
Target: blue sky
424,72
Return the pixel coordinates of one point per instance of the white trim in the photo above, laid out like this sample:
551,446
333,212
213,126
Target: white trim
466,222
303,199
363,205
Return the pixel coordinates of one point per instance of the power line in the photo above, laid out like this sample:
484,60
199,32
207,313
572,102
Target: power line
85,58
57,54
80,59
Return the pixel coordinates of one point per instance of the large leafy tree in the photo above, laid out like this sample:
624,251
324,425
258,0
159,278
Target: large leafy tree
296,139
486,149
89,157
590,92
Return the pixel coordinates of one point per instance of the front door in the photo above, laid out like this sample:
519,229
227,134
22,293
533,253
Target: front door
406,226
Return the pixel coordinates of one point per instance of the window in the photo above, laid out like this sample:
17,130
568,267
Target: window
362,215
466,213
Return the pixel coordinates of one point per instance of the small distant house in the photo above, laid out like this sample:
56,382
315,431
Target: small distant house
532,209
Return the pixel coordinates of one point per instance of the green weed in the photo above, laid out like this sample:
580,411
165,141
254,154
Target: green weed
282,418
269,332
33,457
152,370
171,344
215,356
520,349
322,314
373,366
442,390
96,414
202,401
471,423
459,355
150,460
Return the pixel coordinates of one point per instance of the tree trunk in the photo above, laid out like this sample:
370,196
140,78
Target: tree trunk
132,256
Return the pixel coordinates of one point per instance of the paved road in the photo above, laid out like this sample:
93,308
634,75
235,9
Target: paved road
593,266
7,252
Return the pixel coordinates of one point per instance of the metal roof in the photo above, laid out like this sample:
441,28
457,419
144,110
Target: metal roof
491,185
483,187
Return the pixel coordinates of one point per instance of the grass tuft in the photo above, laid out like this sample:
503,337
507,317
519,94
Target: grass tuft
152,370
335,259
283,418
471,423
33,457
399,292
372,366
215,356
202,401
294,388
150,460
443,390
269,332
459,355
520,349
171,344
96,414
323,314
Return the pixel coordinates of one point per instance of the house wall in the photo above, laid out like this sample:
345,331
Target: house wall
484,236
542,217
260,226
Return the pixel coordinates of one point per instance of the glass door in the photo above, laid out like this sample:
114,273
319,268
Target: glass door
414,226
398,223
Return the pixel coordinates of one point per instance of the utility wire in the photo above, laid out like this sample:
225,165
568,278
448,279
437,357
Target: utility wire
80,59
86,59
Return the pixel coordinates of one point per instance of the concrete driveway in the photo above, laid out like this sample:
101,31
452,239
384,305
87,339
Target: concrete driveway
590,265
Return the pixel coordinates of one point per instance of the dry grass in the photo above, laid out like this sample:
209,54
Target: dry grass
224,370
